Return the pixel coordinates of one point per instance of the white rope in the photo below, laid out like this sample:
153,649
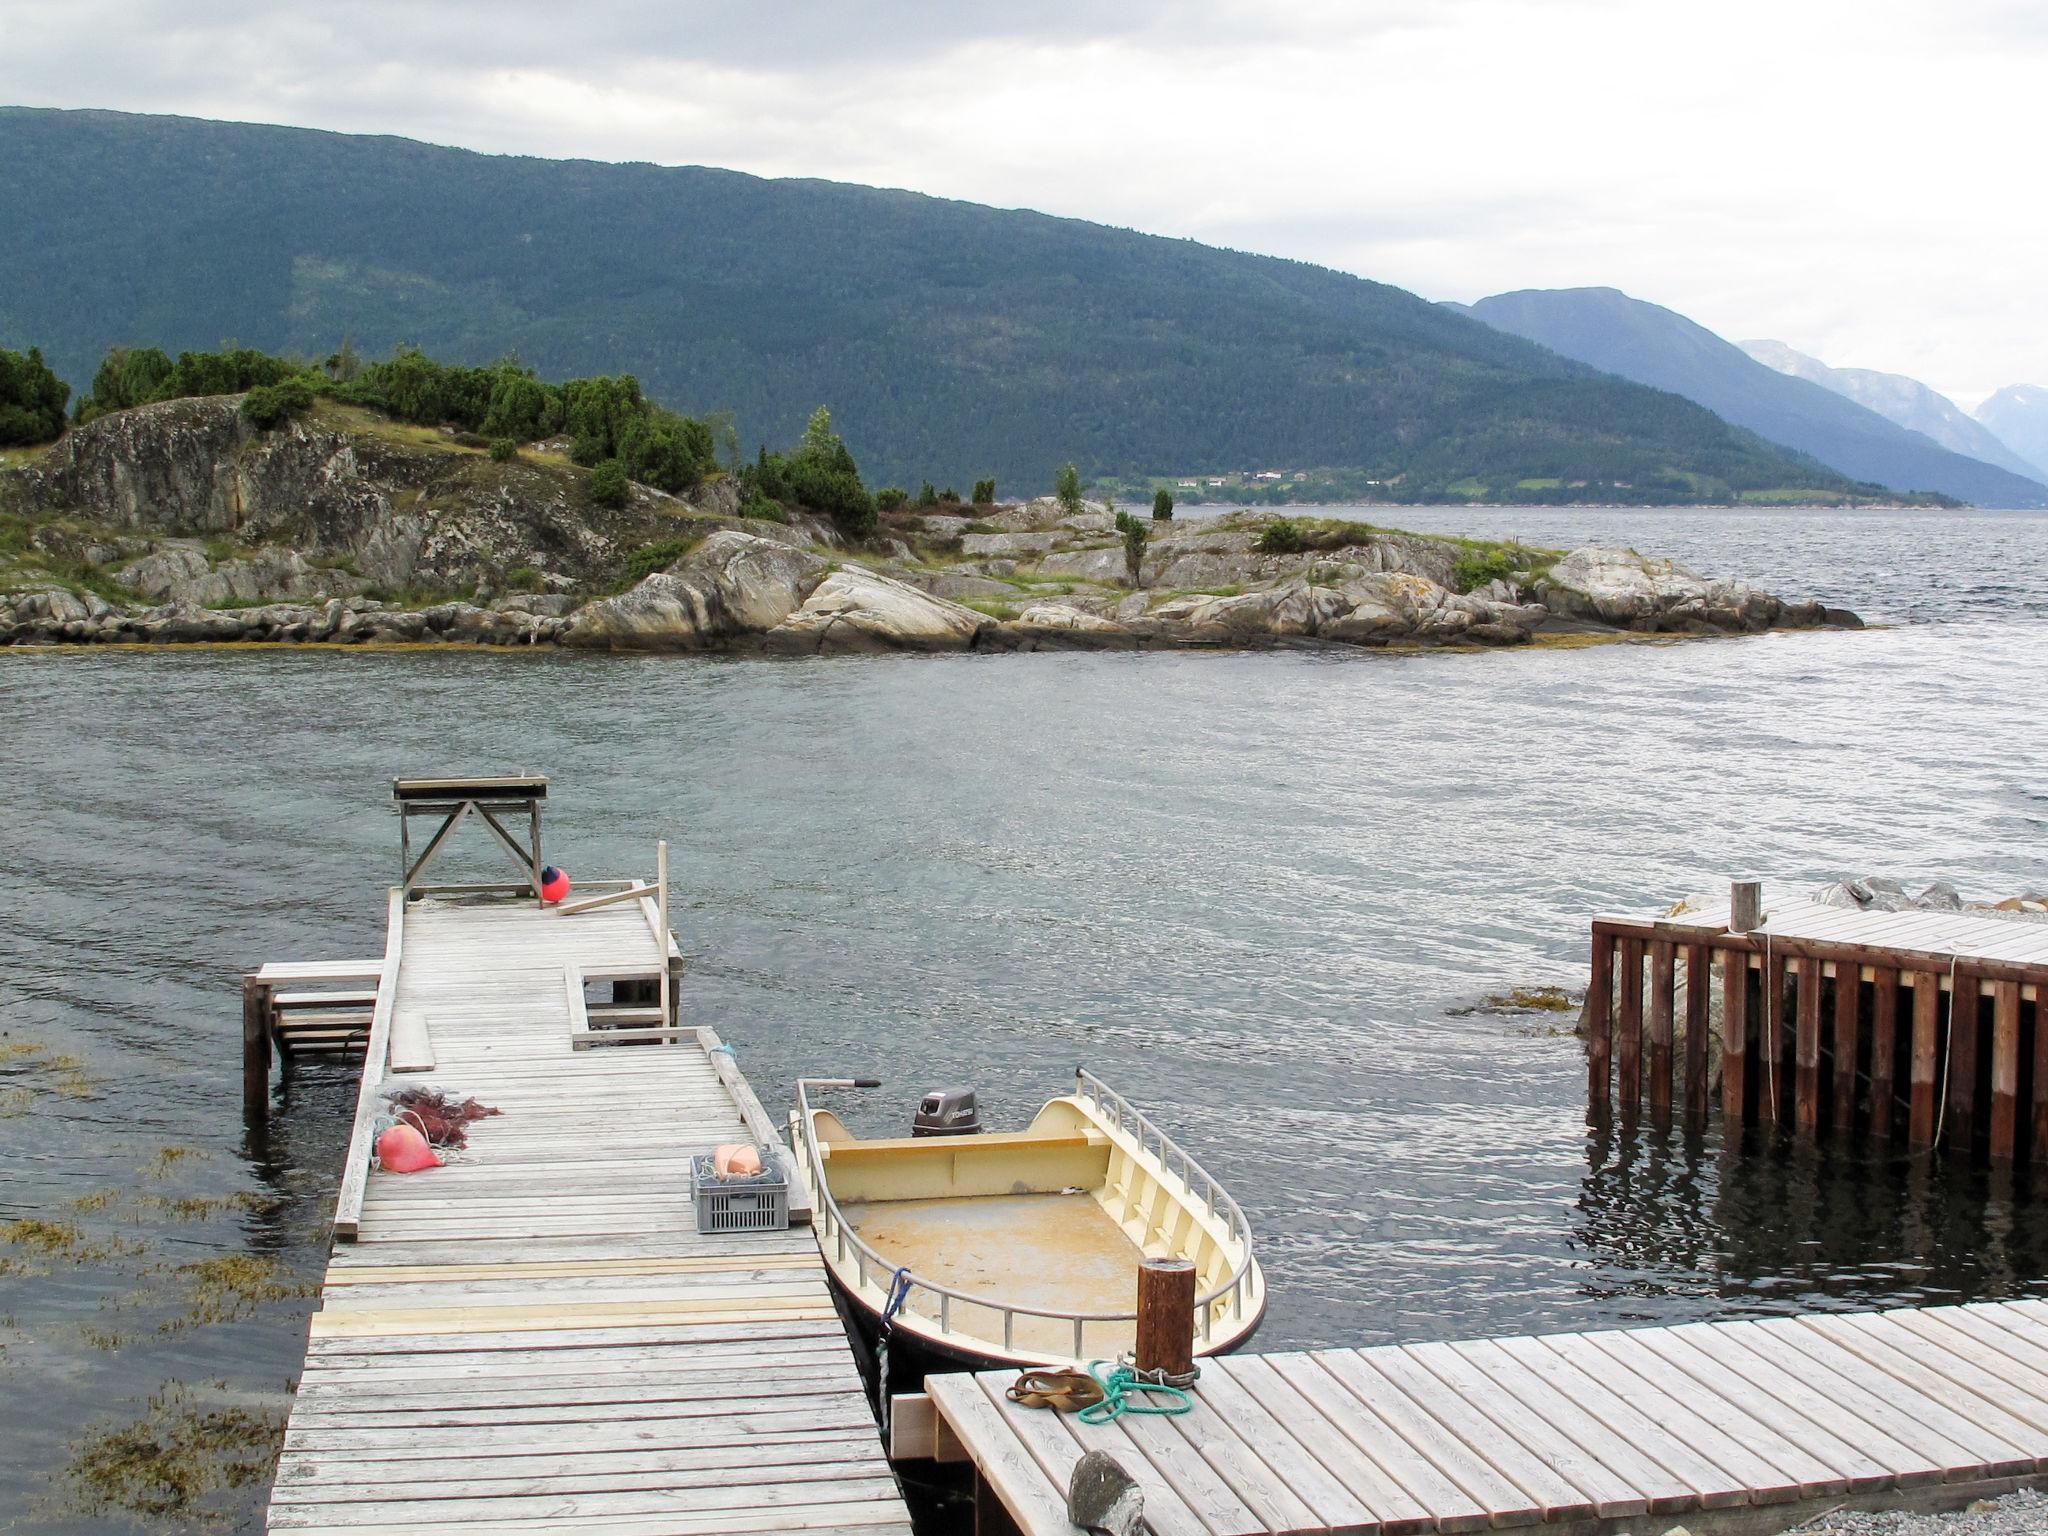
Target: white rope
1948,1051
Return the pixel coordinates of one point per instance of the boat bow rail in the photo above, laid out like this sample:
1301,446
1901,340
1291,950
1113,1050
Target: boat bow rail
1236,1296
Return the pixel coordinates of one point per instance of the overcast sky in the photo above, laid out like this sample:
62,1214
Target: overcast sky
1860,178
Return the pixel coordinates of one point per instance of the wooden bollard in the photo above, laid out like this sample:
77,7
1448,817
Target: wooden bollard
1745,905
255,1050
1166,1316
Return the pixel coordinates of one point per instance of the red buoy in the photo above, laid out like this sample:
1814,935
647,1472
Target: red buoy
554,883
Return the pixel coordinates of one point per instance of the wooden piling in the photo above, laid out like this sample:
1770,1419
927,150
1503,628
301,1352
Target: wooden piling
1745,905
2005,1068
1699,976
1884,1048
1663,977
1960,1129
1166,1316
1734,1035
1926,1050
1848,1010
1771,1041
1599,1024
255,1050
1806,1076
1629,1053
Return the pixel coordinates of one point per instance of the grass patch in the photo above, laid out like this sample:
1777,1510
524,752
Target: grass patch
658,556
18,456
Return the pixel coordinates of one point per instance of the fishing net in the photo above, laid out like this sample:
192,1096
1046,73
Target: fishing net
440,1118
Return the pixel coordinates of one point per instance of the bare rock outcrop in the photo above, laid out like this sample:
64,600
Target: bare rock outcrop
855,609
730,586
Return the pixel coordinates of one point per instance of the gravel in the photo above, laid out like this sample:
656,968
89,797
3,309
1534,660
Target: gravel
2024,1513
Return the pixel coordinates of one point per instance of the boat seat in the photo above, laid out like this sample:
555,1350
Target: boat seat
986,1141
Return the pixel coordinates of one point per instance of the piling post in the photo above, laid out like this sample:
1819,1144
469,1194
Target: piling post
2005,1068
1806,1096
1960,1129
1166,1316
2041,1076
1628,1055
1599,1023
1848,1009
1663,977
1745,905
1884,1048
1699,975
1770,1056
255,1050
1926,1045
1734,1034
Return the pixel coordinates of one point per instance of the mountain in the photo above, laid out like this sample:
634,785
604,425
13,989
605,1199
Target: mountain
1653,345
951,340
2018,413
1898,399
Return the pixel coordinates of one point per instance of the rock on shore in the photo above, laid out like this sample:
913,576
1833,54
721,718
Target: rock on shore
181,522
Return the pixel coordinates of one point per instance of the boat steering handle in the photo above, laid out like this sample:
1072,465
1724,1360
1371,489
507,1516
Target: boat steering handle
841,1082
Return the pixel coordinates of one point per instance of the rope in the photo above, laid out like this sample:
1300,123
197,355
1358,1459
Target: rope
899,1292
1955,1022
1121,1388
728,1050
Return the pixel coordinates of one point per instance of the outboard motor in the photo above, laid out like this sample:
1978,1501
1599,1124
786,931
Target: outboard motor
946,1112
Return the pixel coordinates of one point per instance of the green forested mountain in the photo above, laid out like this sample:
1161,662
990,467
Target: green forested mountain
951,340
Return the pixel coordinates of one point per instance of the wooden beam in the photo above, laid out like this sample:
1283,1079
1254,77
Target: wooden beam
2005,1069
2028,974
1663,979
255,1050
1629,1050
1884,1049
1599,1024
1734,1035
1166,1316
1699,977
1848,1017
1960,1129
355,1173
1806,1077
592,903
1926,1052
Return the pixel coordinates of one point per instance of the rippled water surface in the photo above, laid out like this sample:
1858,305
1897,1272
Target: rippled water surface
1247,889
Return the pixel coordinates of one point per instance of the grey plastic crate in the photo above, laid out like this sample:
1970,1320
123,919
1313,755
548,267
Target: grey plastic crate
756,1204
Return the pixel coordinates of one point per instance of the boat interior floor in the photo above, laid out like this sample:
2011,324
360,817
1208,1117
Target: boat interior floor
1057,1251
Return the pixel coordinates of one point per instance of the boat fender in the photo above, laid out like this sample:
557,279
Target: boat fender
554,883
402,1149
735,1160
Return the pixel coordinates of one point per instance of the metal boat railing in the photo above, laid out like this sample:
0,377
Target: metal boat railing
1233,1296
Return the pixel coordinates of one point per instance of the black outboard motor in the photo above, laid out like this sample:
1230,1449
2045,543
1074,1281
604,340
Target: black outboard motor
946,1112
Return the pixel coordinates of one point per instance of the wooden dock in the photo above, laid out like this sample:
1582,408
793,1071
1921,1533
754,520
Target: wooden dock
1725,1427
535,1337
1914,1026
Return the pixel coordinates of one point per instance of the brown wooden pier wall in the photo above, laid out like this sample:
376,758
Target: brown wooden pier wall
1839,1034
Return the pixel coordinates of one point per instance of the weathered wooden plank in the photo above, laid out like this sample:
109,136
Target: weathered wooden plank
1806,1079
1772,1061
2005,1069
1884,1049
1698,979
1734,1036
1600,1024
999,1456
1663,982
1845,1043
1300,1446
1965,1023
1628,1054
1926,1048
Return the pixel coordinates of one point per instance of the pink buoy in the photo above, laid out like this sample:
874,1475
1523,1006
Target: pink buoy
402,1149
554,883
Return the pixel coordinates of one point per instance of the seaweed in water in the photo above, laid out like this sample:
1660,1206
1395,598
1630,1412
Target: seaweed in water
176,1457
441,1120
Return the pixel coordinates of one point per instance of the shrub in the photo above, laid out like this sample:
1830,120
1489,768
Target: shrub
1066,486
984,493
1162,505
1474,568
1283,536
609,486
763,508
503,448
524,578
890,498
950,497
272,405
1135,533
587,451
658,556
31,399
926,496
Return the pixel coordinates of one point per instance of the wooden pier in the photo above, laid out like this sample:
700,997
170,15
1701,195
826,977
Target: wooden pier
1746,1427
535,1337
1919,1027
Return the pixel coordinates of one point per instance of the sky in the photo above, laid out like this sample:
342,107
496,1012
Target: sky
1859,178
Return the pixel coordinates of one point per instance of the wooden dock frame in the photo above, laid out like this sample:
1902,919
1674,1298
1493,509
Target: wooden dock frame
535,1336
1916,1026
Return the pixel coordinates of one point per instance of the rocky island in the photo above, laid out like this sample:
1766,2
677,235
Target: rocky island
184,521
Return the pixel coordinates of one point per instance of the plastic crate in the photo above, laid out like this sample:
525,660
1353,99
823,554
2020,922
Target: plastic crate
759,1203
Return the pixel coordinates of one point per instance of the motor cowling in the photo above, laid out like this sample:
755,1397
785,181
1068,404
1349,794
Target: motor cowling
946,1112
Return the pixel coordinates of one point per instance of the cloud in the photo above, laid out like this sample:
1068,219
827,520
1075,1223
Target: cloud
1853,177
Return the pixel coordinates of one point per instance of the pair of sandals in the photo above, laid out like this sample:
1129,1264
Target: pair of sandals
1064,1391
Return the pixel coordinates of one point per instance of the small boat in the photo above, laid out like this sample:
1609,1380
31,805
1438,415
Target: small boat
978,1250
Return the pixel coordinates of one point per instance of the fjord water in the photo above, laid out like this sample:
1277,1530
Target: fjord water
1250,890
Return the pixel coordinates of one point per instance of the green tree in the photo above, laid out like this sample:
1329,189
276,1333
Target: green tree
985,493
272,405
1066,486
128,376
503,448
31,399
1135,534
890,497
1162,505
823,477
926,496
609,486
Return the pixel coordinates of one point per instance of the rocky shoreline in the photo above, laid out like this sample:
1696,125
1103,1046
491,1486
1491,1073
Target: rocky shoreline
180,523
